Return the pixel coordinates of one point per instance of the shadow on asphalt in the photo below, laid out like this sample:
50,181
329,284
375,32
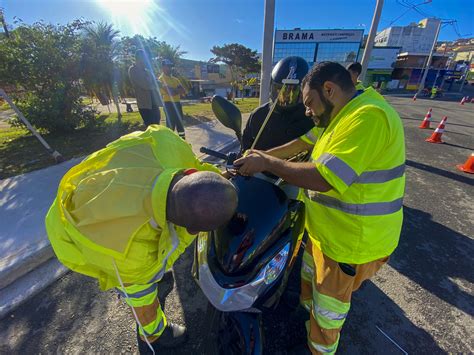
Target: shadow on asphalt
56,316
459,146
436,257
372,308
465,179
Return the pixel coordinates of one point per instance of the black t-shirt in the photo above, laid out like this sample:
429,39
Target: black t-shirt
282,127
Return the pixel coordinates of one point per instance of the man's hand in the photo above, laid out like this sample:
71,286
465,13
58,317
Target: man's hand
254,161
304,175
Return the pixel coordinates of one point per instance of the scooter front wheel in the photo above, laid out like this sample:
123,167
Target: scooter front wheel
233,333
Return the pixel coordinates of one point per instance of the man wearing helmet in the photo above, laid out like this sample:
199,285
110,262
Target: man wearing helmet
288,120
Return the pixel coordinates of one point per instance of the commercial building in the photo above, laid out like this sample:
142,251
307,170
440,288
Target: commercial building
409,70
205,78
381,64
461,52
416,37
318,45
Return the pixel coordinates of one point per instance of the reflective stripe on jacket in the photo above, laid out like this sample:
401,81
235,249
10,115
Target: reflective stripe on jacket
361,155
112,206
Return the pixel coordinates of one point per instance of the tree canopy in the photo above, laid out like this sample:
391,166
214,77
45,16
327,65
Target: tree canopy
236,56
48,68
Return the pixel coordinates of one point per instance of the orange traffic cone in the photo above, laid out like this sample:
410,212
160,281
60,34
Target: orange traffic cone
414,97
436,136
426,122
463,100
468,166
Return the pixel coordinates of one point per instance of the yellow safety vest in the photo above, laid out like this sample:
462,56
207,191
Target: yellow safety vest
361,155
111,208
169,85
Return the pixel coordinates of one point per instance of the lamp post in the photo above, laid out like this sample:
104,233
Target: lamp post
466,73
268,23
428,62
370,39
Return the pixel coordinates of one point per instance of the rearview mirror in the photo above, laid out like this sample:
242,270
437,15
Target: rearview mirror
228,114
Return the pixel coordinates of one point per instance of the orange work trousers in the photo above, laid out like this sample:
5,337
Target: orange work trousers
326,292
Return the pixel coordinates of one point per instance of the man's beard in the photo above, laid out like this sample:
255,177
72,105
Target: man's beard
323,119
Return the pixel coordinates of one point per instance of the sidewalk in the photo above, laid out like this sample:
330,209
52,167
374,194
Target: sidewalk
26,258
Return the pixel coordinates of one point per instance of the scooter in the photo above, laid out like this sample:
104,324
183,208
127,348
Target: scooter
243,267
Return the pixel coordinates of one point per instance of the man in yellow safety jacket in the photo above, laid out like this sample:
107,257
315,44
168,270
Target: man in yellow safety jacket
171,91
353,192
125,214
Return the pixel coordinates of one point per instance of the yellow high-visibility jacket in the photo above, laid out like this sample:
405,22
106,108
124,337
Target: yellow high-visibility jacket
361,154
111,208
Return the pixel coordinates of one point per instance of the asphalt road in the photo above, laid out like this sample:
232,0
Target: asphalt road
423,299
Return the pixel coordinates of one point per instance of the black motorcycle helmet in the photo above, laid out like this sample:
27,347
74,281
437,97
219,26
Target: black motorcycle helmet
288,72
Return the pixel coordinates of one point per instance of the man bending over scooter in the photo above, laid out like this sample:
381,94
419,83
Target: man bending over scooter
128,211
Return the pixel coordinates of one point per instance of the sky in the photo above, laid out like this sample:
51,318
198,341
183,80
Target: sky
198,25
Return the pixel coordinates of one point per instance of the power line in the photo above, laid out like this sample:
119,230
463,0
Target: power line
413,6
410,6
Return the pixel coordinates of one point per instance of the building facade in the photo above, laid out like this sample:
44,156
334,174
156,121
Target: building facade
416,37
318,45
206,79
381,64
409,70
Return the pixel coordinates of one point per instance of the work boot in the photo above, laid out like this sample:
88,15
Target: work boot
172,336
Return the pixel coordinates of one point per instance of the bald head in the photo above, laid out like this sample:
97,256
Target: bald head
202,201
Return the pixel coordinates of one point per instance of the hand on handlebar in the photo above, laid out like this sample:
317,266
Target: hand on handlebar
253,161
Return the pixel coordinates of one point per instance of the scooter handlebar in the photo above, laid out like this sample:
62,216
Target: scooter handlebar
213,153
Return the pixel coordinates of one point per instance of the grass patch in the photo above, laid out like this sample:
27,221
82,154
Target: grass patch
21,152
5,106
246,105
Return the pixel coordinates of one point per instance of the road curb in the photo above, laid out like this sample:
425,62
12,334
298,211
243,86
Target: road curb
29,285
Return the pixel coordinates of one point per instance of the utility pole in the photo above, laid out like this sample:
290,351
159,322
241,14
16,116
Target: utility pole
267,53
428,62
466,73
370,39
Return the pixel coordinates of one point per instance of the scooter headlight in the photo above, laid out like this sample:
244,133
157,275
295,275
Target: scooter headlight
274,267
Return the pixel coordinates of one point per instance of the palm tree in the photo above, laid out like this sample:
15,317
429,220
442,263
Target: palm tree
167,51
99,51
